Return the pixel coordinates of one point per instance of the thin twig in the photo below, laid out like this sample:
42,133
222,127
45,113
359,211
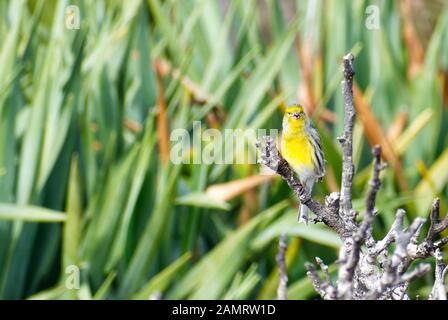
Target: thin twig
324,269
347,269
283,276
435,210
315,279
346,140
438,291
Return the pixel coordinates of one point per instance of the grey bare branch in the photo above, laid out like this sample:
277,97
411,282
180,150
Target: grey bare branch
283,276
367,268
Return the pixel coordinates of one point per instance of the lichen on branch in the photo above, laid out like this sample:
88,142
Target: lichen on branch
367,268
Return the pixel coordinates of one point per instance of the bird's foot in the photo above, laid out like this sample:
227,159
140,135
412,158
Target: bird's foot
303,218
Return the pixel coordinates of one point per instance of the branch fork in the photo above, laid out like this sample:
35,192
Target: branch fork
366,268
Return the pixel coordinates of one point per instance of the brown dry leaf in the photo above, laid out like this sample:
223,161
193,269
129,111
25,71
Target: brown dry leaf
328,116
445,87
375,135
162,119
132,125
321,113
305,90
198,95
214,119
415,49
330,180
397,126
229,190
249,206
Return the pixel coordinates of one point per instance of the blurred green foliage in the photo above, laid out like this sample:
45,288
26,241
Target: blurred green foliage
83,180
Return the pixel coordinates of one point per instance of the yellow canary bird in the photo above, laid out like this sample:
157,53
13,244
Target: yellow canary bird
301,146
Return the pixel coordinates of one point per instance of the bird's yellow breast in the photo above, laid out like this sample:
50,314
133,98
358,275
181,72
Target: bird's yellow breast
297,150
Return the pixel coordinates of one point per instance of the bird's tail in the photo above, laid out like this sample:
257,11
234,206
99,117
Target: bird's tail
303,214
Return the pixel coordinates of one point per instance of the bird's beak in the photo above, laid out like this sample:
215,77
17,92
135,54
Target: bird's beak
296,115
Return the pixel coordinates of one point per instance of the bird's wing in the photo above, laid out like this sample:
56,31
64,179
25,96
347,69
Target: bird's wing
319,159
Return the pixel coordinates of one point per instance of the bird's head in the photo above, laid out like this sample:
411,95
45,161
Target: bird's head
294,117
